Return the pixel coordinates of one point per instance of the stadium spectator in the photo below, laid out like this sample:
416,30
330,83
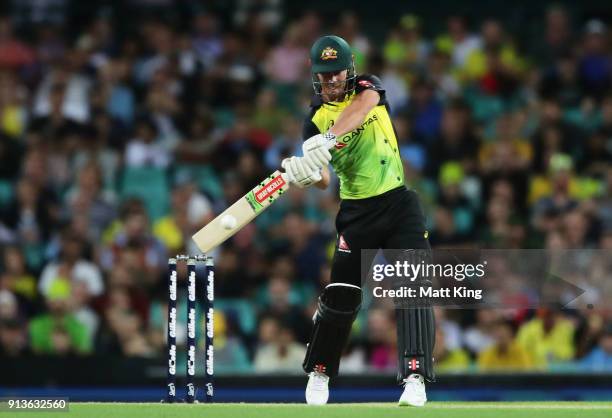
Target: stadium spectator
9,306
89,198
125,332
453,198
190,210
561,196
133,244
505,353
72,267
548,338
268,115
144,150
16,278
595,68
382,340
13,338
30,213
508,153
448,359
230,353
503,228
453,334
456,140
348,28
281,353
282,302
286,62
600,358
59,332
462,42
117,95
423,110
405,47
478,337
206,40
14,54
590,328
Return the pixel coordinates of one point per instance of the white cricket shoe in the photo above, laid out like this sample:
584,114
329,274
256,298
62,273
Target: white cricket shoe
414,391
317,390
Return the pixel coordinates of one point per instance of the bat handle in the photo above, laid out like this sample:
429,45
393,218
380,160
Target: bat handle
285,176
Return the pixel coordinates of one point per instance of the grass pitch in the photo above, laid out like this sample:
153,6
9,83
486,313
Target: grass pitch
354,410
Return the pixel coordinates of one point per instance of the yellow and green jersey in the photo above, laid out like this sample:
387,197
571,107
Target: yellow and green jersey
366,160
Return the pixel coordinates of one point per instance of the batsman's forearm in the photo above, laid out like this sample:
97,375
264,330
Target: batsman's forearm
348,121
353,116
324,182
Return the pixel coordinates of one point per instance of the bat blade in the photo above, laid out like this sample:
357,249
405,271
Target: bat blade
244,211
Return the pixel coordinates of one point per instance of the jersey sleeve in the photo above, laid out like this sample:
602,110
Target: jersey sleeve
309,129
370,82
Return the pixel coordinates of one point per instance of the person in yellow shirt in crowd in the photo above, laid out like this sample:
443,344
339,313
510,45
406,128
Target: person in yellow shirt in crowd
561,185
495,62
449,360
189,211
174,227
405,46
16,277
507,152
548,338
506,353
12,106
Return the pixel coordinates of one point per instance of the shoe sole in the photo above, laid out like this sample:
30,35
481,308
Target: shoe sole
406,403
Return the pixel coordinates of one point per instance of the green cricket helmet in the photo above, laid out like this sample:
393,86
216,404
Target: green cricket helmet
330,54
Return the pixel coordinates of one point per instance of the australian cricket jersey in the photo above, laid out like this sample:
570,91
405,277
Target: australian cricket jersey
366,160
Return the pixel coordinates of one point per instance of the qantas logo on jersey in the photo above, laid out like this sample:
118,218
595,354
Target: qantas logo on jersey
345,139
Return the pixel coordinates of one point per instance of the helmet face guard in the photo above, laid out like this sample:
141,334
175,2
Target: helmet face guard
349,86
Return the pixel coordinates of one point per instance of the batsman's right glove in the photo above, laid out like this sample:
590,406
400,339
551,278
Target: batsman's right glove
301,172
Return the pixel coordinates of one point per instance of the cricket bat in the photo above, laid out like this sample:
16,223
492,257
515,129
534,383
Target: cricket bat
243,211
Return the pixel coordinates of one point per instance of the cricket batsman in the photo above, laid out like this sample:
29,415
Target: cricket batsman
349,126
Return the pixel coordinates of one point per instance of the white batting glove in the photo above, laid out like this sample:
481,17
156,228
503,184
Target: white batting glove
300,172
316,149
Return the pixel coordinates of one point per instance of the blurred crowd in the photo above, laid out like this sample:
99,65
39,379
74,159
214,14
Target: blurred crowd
116,146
